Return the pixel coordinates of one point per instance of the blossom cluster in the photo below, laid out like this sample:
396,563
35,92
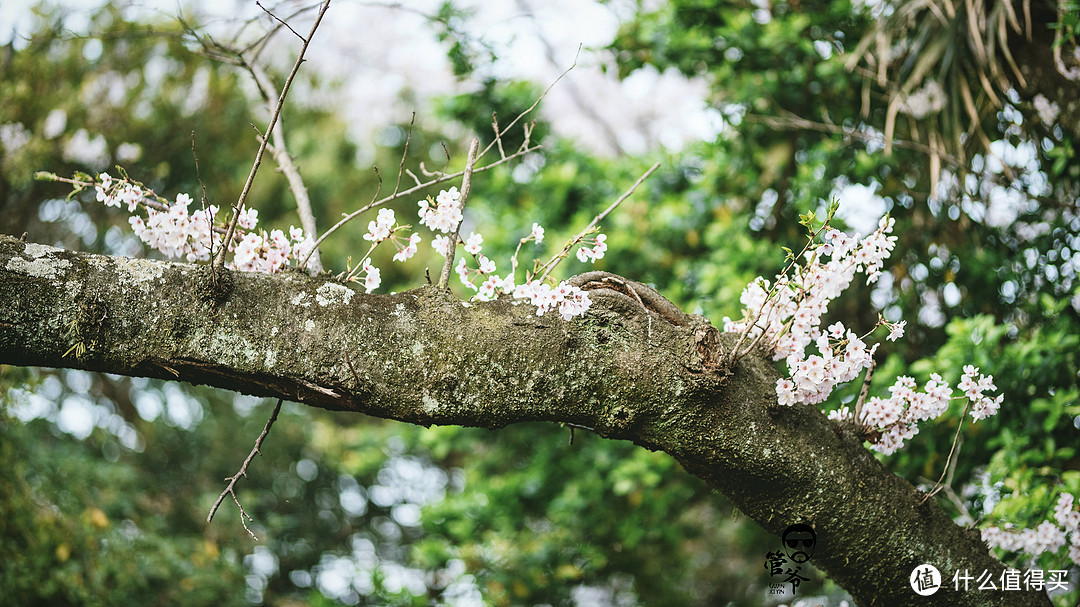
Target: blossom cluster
445,216
786,318
1048,536
596,251
384,227
177,232
894,420
180,233
269,253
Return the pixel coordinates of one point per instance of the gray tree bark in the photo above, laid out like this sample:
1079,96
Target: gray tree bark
634,370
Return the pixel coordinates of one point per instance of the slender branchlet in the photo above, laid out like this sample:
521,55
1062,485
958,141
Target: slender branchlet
231,488
219,263
466,185
545,269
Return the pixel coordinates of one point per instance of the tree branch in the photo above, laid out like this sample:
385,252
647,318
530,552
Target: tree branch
424,357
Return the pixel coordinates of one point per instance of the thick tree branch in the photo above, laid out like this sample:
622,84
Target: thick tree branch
427,358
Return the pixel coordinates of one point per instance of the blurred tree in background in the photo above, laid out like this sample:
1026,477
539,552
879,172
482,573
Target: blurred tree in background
817,99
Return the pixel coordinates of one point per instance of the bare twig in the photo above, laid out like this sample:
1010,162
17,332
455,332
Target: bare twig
498,139
276,18
205,198
230,489
545,269
535,103
575,93
404,154
440,178
220,261
466,186
285,163
437,177
948,462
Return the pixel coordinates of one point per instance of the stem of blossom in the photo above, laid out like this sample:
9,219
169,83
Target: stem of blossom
466,185
736,353
220,261
551,263
956,437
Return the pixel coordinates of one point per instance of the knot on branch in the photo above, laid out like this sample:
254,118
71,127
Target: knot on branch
215,284
707,347
634,293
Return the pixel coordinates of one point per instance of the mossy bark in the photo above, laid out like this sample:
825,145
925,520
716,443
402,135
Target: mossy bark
424,357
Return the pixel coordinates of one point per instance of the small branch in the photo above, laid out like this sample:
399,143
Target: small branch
230,489
276,18
220,261
440,178
404,154
466,186
544,270
204,199
956,437
288,168
533,106
498,137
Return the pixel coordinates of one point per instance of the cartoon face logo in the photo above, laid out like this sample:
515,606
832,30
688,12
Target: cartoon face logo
799,540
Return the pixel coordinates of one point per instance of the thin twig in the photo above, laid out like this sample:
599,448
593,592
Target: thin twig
230,489
466,186
498,138
284,161
545,269
956,437
205,198
220,261
404,154
441,178
348,361
275,17
535,103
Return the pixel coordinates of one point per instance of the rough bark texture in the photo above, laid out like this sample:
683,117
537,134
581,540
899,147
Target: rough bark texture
425,357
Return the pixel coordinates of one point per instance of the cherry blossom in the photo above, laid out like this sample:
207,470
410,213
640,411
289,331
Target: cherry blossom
472,244
594,252
446,215
381,227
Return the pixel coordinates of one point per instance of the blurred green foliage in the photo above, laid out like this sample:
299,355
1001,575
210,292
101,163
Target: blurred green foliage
363,511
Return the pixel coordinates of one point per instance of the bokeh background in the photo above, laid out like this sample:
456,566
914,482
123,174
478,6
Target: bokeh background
757,111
